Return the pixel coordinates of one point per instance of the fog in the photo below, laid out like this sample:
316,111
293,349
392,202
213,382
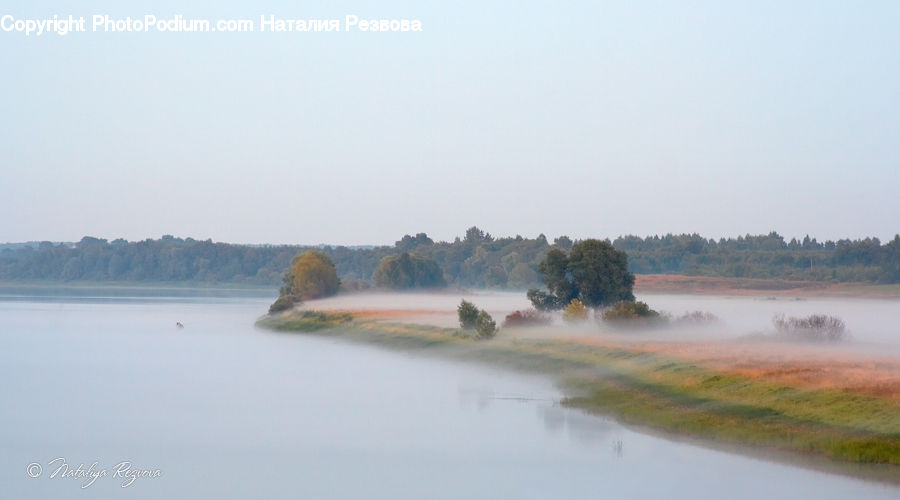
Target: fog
872,323
869,321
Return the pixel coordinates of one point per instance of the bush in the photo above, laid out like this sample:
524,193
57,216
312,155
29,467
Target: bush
696,318
633,314
282,303
816,327
468,315
485,326
528,317
575,312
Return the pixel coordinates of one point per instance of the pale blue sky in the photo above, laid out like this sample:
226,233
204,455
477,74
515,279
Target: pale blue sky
579,118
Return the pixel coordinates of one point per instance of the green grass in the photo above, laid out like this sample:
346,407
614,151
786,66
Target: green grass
653,390
304,321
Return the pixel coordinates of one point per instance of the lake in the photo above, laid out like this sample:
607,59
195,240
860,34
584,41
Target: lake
224,410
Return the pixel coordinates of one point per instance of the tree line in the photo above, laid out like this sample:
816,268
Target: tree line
475,260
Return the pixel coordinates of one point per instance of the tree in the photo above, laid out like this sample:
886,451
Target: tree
72,270
485,325
600,273
409,243
563,242
474,235
495,277
468,315
479,260
543,301
312,276
521,276
408,271
594,272
557,277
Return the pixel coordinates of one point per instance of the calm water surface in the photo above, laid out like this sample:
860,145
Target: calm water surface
224,410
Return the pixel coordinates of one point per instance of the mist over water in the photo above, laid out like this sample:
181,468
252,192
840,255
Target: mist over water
226,410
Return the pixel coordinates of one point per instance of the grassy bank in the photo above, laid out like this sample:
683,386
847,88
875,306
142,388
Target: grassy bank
660,392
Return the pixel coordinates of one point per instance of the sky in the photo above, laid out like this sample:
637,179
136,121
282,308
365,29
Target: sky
589,119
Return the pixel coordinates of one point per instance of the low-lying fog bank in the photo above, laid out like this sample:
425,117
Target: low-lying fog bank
871,323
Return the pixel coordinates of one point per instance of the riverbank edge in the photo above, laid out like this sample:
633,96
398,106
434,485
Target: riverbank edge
675,398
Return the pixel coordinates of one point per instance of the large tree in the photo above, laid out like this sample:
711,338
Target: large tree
557,276
601,273
593,272
312,276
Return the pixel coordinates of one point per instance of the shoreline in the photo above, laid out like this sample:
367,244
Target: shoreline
127,288
152,285
664,394
644,284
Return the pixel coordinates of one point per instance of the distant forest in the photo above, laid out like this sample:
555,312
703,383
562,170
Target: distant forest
475,260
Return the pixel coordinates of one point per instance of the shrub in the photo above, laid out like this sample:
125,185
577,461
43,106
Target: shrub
816,327
468,315
696,318
282,303
485,325
575,312
528,317
633,314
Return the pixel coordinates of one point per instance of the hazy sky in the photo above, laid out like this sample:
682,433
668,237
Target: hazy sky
579,118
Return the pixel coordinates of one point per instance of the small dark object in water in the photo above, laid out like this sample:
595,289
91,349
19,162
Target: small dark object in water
179,325
617,447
